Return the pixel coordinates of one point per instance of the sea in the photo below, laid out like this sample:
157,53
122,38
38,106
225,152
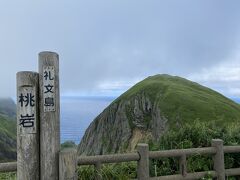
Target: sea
78,112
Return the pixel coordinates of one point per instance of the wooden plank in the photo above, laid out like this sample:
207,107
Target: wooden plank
180,152
112,158
232,172
98,166
183,165
231,149
49,115
28,166
8,167
68,164
143,163
218,159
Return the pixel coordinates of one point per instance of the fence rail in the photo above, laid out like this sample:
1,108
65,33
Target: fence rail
115,158
142,156
8,167
217,151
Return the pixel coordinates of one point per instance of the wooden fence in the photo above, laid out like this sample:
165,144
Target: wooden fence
68,162
143,155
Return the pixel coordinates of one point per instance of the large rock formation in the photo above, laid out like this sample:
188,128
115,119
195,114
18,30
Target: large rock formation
149,108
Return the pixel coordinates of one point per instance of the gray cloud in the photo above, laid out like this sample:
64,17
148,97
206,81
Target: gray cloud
115,41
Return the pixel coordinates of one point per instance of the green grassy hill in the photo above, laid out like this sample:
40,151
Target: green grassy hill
153,107
181,100
7,107
7,130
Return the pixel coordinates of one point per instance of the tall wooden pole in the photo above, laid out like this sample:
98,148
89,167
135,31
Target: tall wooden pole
68,164
28,165
49,115
218,159
143,163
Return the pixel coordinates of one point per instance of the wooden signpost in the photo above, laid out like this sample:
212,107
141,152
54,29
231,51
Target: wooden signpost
38,121
38,125
27,126
49,115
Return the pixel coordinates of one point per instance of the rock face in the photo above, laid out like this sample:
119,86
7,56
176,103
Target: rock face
112,130
149,109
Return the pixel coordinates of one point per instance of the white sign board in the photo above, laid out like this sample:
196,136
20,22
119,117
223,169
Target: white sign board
49,88
27,108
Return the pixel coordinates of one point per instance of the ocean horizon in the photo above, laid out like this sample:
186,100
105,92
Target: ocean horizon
77,113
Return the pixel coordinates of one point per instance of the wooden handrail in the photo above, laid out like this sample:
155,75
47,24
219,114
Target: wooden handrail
114,158
181,152
8,167
135,156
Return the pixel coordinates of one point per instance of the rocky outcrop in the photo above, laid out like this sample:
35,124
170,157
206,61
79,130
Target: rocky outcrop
122,125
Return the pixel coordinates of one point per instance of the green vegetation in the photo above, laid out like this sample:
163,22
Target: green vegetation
68,144
198,134
109,172
182,101
7,139
7,107
7,130
8,176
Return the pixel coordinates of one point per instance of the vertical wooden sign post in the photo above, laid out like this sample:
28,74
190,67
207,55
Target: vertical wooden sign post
28,164
49,115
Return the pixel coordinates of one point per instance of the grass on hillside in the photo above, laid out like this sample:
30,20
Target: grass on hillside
7,139
182,101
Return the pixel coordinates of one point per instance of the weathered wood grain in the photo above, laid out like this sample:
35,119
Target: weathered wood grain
143,163
218,159
28,164
8,167
49,119
68,164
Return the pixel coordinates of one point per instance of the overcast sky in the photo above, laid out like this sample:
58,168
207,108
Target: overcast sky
107,46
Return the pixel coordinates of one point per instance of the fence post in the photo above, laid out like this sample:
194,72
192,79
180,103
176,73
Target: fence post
183,165
49,115
68,164
98,171
143,163
218,159
28,165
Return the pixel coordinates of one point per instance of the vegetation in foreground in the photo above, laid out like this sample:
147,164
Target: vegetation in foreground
8,176
198,134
